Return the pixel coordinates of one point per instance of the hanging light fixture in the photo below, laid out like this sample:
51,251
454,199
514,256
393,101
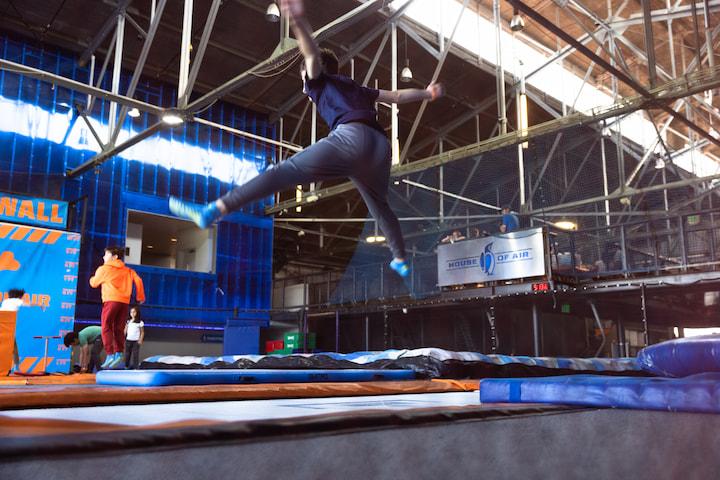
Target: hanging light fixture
377,238
406,74
272,14
298,197
517,24
566,225
134,113
172,117
659,163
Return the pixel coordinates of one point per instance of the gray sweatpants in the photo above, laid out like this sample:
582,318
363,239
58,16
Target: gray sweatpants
353,150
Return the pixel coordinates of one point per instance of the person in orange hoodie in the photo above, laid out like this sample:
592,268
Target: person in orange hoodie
116,282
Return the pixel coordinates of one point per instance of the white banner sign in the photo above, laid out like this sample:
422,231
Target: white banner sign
506,256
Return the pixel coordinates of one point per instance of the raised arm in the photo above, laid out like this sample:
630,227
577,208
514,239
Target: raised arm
408,95
295,11
139,288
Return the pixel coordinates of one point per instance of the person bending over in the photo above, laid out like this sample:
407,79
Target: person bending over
356,147
89,339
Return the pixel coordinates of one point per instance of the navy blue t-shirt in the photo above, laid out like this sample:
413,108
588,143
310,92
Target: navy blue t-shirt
340,100
511,221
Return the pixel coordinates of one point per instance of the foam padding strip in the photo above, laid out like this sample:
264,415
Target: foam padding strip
697,393
154,378
86,396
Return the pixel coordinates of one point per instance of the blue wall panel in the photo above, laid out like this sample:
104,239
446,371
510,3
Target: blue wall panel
35,165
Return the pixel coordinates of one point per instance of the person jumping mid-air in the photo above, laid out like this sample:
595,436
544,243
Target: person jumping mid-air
356,147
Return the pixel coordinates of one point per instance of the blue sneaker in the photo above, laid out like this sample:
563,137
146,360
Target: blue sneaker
401,267
201,215
118,362
108,360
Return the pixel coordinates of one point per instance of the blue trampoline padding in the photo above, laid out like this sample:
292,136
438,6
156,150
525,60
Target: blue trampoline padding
682,357
697,393
153,378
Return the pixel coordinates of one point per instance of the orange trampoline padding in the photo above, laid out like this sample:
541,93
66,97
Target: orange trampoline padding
7,341
48,396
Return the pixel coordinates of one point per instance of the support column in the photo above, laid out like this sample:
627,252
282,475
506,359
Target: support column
117,68
622,344
386,331
91,80
394,112
441,182
708,35
646,336
490,312
499,72
605,178
671,42
337,331
521,110
367,333
185,48
536,330
649,42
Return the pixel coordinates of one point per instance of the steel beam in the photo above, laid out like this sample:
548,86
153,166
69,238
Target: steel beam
338,25
117,71
135,25
139,66
628,193
92,129
252,136
78,86
662,15
549,158
185,46
406,27
101,75
101,158
680,88
451,195
545,23
579,169
353,50
104,30
649,42
436,73
376,58
200,53
499,70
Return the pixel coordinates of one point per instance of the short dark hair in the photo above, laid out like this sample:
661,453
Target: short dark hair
329,61
70,338
16,293
116,251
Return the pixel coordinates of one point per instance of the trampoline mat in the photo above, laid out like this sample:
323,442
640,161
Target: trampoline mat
153,378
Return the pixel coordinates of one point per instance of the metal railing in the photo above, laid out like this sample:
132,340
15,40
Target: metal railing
652,246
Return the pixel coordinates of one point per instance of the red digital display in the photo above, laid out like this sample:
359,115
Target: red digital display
541,287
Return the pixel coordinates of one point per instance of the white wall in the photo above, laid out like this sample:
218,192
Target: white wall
293,295
196,249
134,243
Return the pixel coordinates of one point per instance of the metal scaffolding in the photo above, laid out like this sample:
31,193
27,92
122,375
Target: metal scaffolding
673,95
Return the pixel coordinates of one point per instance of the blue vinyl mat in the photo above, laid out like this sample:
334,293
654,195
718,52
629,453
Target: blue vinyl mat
153,378
681,357
696,393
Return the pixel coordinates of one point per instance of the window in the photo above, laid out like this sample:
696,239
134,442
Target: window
160,241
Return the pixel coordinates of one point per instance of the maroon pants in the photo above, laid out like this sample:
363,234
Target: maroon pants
113,318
